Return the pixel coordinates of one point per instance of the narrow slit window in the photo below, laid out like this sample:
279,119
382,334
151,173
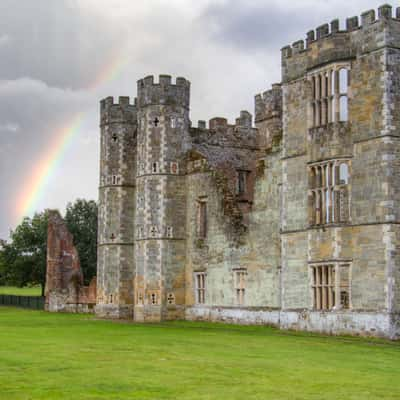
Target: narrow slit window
343,81
202,219
240,286
200,285
344,109
344,286
344,174
241,182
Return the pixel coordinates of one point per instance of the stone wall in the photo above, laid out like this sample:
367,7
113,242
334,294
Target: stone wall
235,202
115,266
163,138
64,279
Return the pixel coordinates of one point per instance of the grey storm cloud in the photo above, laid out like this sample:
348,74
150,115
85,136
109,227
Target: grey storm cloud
52,41
256,25
53,54
270,25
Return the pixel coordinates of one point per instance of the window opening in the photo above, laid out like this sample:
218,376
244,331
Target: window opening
241,182
171,298
200,285
202,219
240,286
331,286
328,192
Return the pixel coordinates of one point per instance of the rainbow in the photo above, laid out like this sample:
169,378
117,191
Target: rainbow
37,183
41,175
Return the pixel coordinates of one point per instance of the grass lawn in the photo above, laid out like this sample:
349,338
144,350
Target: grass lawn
66,356
24,291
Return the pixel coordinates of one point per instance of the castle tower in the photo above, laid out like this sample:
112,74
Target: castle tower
115,266
163,137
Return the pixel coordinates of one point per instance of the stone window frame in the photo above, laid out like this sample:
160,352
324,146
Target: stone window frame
241,181
153,231
174,167
155,167
330,284
327,95
140,297
239,284
200,285
153,299
329,192
114,180
175,121
169,232
202,217
170,299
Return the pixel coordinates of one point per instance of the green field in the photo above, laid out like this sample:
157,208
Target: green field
65,356
24,291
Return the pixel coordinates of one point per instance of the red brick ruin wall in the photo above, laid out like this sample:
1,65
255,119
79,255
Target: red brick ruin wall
65,290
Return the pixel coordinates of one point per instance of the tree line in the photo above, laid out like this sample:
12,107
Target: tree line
23,257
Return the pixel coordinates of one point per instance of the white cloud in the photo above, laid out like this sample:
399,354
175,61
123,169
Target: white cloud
4,40
9,127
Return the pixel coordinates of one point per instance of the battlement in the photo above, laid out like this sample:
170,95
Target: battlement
245,120
328,43
164,92
269,104
123,111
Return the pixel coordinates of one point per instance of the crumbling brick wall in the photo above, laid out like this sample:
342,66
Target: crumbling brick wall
64,278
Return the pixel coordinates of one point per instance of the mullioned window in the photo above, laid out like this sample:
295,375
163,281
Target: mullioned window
329,99
328,193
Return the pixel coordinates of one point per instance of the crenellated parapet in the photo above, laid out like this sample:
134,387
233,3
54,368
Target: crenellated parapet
328,43
269,104
121,112
245,120
164,92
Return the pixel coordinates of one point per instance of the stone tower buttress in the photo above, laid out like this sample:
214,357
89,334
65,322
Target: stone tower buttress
115,266
163,136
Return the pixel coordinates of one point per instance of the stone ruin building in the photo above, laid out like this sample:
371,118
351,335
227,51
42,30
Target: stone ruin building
64,290
293,221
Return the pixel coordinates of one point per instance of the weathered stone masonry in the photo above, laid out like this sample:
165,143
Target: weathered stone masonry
64,290
293,222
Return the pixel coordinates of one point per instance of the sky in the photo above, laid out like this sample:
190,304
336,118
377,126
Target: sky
59,58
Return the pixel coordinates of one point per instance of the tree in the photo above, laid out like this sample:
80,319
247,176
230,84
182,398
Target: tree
23,260
81,220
